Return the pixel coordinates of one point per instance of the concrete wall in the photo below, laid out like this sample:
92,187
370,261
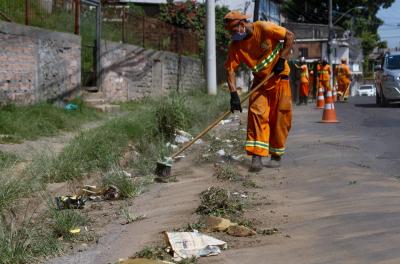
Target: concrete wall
37,65
130,72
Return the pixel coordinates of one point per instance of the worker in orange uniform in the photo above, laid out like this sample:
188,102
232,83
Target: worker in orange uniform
304,82
259,46
343,77
324,75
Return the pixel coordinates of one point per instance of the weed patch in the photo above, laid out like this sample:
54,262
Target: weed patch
128,188
7,160
30,122
227,172
65,220
219,202
24,242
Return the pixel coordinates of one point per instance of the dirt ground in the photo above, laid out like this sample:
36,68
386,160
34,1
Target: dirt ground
335,200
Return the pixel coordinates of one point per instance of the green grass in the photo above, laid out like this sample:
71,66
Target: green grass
25,243
97,150
7,160
30,122
65,220
11,188
128,188
219,202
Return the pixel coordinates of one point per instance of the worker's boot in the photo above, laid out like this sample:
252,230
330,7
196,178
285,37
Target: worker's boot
256,164
306,100
300,100
275,162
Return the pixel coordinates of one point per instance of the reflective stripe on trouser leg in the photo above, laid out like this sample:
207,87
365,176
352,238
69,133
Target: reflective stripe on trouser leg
257,142
280,118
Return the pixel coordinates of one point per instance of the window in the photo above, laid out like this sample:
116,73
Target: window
303,52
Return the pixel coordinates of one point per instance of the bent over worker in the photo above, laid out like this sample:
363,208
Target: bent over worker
343,76
259,46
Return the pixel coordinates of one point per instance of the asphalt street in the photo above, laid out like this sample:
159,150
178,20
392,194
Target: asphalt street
339,191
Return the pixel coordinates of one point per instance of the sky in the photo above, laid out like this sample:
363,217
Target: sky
390,31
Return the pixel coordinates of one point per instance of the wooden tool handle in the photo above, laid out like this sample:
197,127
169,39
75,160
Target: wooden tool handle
223,116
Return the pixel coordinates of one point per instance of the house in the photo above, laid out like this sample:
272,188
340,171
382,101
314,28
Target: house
312,44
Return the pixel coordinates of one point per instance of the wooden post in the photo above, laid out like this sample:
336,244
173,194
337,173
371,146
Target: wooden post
27,7
77,16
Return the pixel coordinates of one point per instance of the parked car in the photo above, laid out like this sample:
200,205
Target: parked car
387,79
366,90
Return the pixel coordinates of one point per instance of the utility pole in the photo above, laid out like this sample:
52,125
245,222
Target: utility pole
330,31
256,10
211,65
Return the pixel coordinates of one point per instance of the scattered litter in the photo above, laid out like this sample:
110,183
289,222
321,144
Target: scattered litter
181,139
227,141
245,110
111,193
75,231
143,261
95,198
221,152
71,107
69,202
193,244
269,232
90,190
220,224
226,121
240,231
127,174
172,146
242,195
208,155
182,136
229,146
199,141
179,157
236,158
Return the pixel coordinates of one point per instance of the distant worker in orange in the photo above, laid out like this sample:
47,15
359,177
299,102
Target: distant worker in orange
258,45
324,75
343,77
304,82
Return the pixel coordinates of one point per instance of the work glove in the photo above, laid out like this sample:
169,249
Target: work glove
279,66
235,102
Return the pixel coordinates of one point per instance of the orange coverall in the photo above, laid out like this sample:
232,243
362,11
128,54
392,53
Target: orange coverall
324,76
270,108
304,81
343,79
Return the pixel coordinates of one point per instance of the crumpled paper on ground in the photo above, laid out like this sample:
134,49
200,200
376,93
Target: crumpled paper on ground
194,244
143,261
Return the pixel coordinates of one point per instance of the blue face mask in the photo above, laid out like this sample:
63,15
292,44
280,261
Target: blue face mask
239,35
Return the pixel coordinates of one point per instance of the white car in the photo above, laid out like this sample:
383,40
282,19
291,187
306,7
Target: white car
366,90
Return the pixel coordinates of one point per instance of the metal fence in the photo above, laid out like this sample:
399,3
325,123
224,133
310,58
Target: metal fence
122,25
57,15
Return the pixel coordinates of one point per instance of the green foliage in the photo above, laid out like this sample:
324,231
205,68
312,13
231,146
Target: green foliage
43,119
219,202
363,22
25,243
7,160
65,220
192,15
127,187
11,189
172,114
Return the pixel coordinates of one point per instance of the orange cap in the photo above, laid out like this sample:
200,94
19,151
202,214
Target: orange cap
234,15
229,19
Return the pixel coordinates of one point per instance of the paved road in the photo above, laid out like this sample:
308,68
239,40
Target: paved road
341,190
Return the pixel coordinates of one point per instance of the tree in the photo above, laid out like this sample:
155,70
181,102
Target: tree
192,15
364,22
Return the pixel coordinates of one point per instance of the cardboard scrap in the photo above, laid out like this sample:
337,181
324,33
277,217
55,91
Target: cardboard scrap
193,244
220,224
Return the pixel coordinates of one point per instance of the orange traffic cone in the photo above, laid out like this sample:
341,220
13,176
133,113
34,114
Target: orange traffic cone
334,93
320,98
329,115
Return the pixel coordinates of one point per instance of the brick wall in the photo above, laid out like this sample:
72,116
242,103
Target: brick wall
131,72
37,65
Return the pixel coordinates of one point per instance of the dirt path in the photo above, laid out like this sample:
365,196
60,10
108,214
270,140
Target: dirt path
332,202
